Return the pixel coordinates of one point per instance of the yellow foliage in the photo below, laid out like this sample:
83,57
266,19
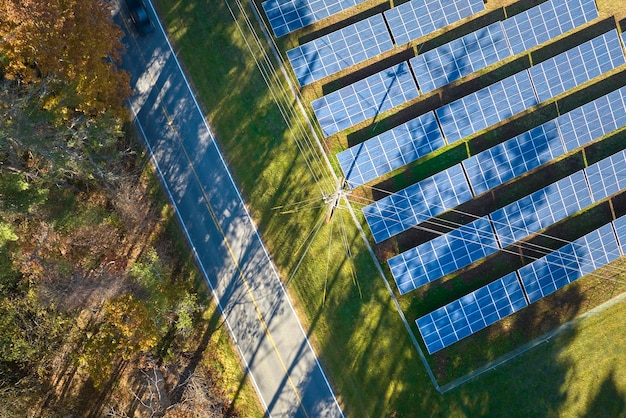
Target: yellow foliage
128,329
72,42
134,324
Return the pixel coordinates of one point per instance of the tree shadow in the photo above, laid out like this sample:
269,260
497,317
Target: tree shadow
609,400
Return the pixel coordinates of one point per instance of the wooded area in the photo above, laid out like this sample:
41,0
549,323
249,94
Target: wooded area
102,311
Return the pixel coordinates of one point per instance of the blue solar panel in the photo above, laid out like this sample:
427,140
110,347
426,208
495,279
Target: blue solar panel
514,157
415,204
541,209
338,50
593,120
443,255
365,99
608,176
572,261
461,57
417,18
486,107
620,230
288,15
577,65
390,150
471,313
546,21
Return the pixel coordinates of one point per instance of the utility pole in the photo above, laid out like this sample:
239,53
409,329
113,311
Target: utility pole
332,199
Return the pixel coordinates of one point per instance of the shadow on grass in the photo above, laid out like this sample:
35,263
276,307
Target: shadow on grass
609,400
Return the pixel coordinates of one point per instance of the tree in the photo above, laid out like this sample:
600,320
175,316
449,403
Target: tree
186,308
73,44
78,149
128,329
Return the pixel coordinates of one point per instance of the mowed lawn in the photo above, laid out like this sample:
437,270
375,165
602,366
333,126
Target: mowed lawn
358,334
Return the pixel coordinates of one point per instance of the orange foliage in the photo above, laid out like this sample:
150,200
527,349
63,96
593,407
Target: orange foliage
71,42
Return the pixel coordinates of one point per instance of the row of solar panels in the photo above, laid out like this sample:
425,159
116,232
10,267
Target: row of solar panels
507,295
367,38
408,21
411,140
393,86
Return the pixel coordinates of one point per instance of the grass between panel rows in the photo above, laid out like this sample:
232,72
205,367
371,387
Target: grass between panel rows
358,335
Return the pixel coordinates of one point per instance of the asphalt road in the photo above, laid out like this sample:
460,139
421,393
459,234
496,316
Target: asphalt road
270,339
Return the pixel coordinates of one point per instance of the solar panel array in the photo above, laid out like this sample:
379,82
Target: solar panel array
447,189
541,208
572,261
486,107
288,15
593,120
365,99
546,21
417,18
402,210
390,150
471,313
514,157
577,65
461,57
443,255
607,176
341,49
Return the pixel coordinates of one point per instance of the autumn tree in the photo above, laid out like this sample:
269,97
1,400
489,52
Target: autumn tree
128,328
73,45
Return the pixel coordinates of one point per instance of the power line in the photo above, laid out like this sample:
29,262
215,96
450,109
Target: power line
280,96
520,244
270,77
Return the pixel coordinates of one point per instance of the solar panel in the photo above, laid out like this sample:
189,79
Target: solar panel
577,65
417,18
390,150
461,57
471,313
486,107
288,15
593,120
541,209
341,49
514,157
607,176
400,211
365,99
546,21
443,255
620,230
569,263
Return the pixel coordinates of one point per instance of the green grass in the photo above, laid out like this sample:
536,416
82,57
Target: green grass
357,333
